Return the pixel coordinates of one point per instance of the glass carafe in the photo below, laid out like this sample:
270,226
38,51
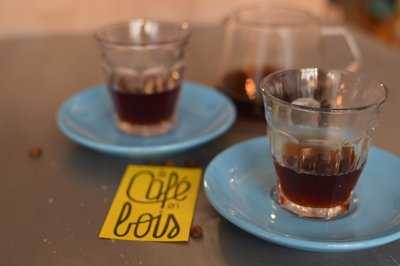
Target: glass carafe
265,38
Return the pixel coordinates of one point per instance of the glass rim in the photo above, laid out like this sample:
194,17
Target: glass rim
310,19
183,27
378,84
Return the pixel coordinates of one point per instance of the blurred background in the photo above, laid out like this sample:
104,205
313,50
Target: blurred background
17,17
40,16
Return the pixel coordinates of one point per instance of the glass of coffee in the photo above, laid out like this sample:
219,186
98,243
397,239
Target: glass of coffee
144,64
320,124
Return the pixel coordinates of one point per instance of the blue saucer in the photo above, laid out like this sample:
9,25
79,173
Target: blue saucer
203,114
238,184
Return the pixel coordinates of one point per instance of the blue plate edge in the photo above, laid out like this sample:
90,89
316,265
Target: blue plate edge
300,244
153,151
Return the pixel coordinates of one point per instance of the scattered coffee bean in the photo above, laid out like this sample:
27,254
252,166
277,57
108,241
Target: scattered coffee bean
196,232
35,152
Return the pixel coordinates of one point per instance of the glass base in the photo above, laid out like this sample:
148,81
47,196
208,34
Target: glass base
310,212
147,130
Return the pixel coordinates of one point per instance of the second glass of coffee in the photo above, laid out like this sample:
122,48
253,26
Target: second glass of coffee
320,124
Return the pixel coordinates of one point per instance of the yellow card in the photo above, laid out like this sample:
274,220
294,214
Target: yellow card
153,203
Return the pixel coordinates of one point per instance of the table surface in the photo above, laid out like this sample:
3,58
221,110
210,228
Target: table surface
53,207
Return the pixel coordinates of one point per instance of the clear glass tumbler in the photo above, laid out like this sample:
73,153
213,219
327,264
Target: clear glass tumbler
320,124
144,63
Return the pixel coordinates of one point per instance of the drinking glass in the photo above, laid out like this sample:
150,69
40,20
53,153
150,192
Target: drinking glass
144,65
320,124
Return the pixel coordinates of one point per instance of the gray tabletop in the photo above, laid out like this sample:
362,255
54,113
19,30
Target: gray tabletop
52,208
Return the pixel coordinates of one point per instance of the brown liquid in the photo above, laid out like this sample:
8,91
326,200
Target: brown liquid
315,176
145,109
241,86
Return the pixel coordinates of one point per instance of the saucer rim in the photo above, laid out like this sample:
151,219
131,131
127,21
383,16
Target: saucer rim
149,150
290,241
